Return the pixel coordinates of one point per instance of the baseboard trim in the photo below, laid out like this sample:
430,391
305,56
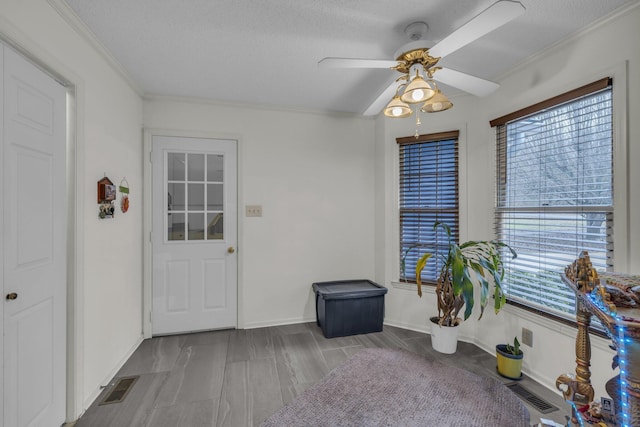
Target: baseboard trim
425,329
465,338
94,395
280,322
407,326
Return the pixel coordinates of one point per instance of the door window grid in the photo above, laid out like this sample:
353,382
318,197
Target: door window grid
195,196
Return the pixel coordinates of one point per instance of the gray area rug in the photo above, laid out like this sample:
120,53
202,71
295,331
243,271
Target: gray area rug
384,387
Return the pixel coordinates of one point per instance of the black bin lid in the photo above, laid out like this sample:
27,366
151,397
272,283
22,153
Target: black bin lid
346,289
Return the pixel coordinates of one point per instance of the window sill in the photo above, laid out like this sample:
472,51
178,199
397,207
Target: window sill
427,289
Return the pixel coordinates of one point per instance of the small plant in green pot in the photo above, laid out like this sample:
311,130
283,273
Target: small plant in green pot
510,360
464,266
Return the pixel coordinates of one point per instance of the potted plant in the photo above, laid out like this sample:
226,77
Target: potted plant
464,266
510,360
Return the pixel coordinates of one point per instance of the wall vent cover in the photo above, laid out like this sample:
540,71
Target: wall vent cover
536,401
120,390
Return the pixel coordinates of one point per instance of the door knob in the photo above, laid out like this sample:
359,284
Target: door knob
12,296
231,250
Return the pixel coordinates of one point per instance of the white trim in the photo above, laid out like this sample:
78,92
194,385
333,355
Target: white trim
408,326
245,105
411,287
596,341
106,382
279,322
2,187
147,218
76,229
621,196
541,380
71,18
14,37
427,330
545,322
542,54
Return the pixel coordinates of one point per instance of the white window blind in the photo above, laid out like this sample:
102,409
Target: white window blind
555,193
428,193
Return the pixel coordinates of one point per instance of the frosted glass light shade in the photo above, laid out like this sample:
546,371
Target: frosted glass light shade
439,102
397,108
418,90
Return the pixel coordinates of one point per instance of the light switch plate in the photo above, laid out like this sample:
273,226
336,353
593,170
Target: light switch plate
253,210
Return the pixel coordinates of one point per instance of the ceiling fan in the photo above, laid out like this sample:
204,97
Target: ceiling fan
415,56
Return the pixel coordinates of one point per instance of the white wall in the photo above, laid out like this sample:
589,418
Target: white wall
327,185
313,175
106,324
609,49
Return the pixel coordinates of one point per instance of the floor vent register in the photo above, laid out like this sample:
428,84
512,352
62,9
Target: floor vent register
537,402
120,390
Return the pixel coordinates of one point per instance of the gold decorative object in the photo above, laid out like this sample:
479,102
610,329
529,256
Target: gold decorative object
407,60
418,89
582,273
614,299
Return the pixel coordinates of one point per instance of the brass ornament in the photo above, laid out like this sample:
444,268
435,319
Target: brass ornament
408,59
613,298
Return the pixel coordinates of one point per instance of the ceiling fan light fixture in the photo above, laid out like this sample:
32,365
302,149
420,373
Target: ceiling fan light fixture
418,90
439,102
397,108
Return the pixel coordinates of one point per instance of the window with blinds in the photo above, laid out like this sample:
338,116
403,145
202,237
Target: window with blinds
555,193
428,193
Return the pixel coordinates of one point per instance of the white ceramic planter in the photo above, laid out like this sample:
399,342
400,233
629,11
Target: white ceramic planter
444,339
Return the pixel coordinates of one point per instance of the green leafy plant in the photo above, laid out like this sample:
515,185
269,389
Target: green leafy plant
464,265
403,260
515,348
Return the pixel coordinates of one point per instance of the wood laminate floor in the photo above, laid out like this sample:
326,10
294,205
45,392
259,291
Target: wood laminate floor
240,377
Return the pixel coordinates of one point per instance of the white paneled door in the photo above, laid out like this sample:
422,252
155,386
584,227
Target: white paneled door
194,283
33,216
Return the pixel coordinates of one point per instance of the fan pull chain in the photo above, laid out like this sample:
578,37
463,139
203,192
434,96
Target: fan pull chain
418,122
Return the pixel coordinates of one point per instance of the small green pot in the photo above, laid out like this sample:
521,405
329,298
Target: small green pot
509,365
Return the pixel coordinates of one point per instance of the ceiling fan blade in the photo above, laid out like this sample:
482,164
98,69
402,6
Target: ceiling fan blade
382,100
355,63
488,20
466,82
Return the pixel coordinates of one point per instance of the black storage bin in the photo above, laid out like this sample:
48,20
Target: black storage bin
349,307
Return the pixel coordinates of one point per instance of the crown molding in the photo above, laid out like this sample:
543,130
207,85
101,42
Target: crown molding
246,105
71,18
571,38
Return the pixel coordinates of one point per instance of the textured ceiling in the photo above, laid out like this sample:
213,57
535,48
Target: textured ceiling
266,51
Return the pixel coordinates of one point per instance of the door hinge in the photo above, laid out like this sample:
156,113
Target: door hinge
150,316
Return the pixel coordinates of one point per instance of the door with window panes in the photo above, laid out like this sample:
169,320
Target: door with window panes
194,234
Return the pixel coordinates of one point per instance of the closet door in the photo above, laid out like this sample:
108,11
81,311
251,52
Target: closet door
33,214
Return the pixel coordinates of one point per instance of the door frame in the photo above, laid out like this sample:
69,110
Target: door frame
14,38
147,219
